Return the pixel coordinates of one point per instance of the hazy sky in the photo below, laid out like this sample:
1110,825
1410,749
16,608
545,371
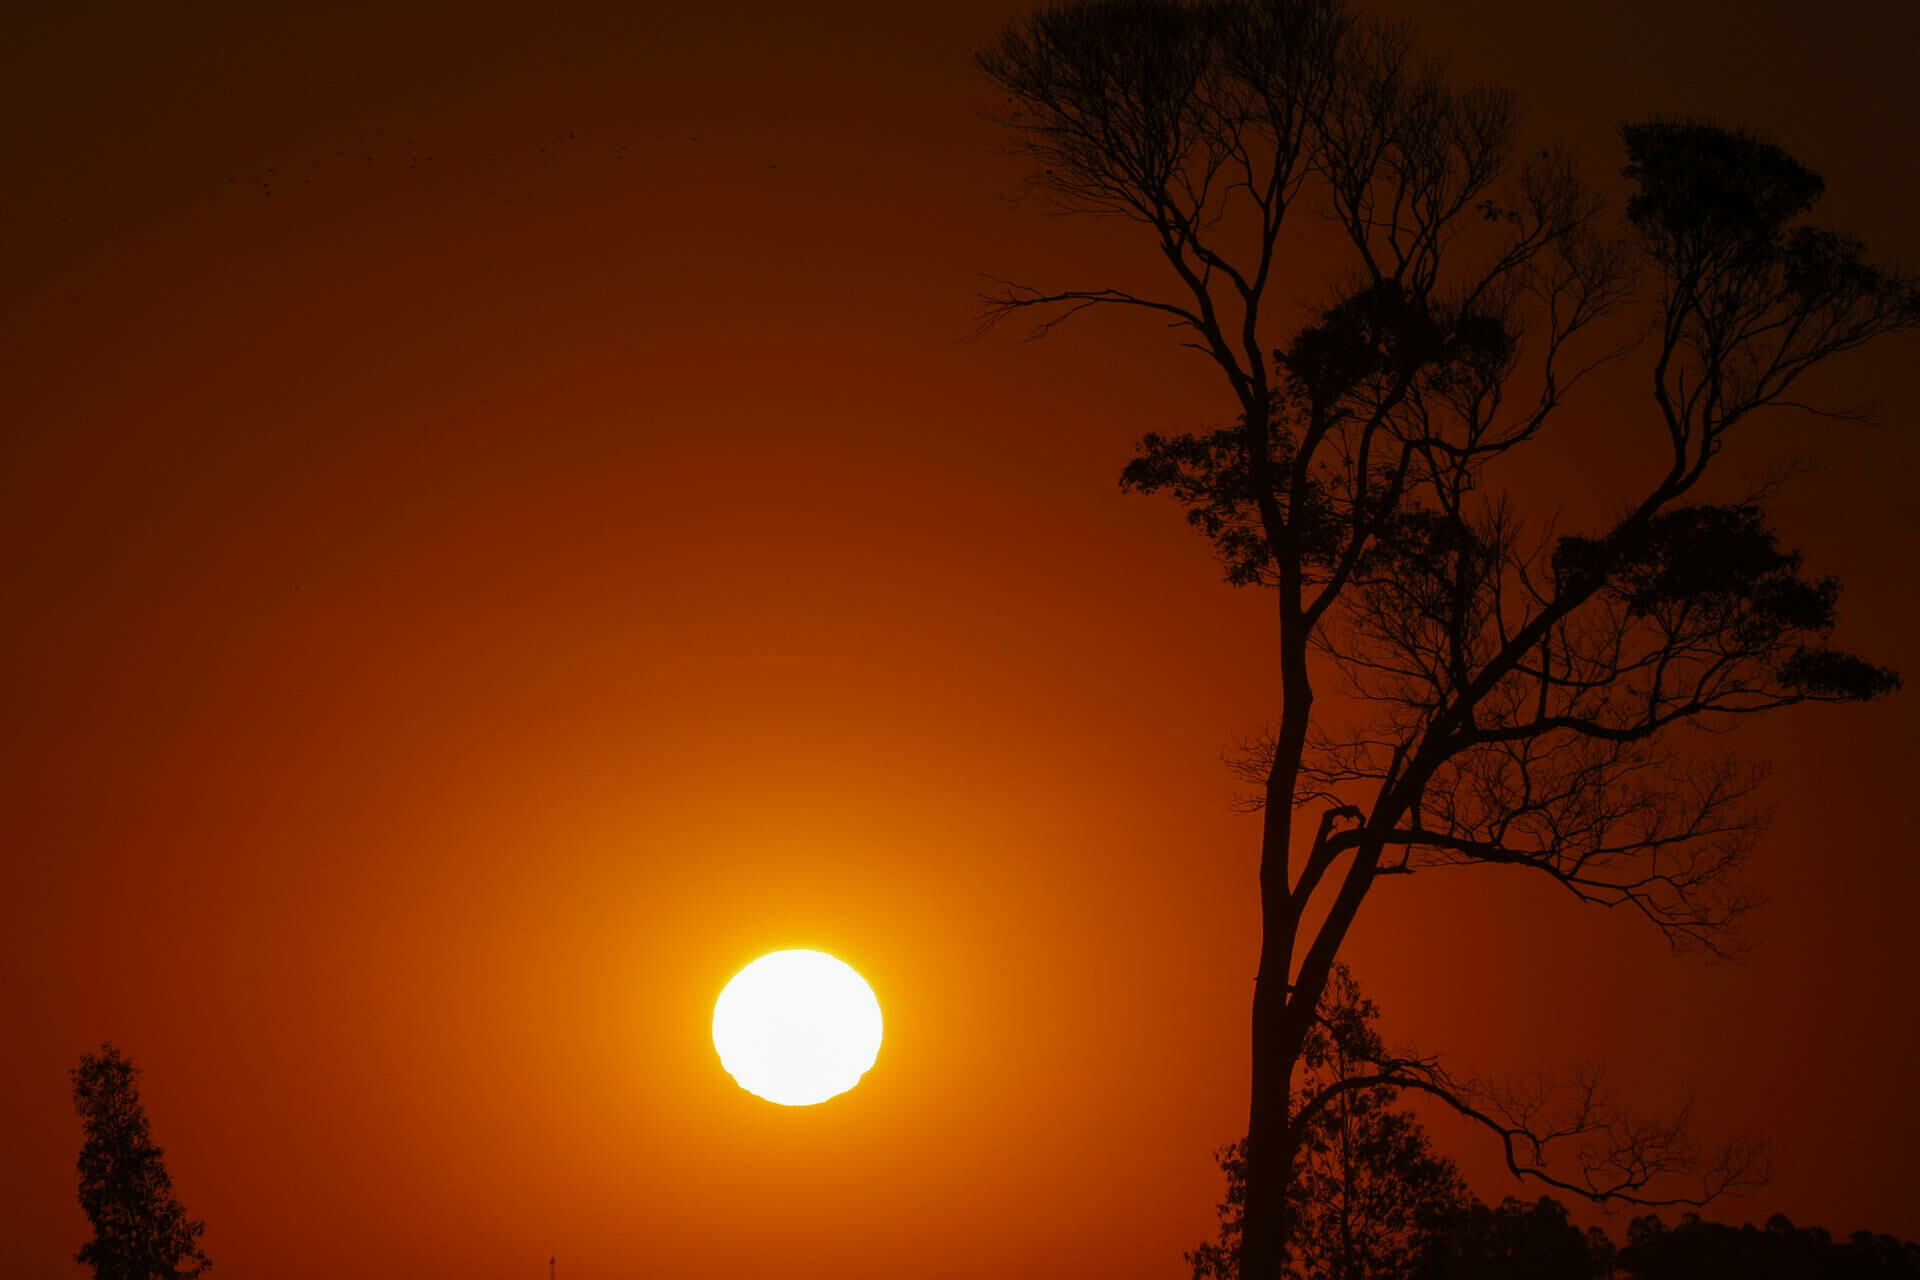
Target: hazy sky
501,527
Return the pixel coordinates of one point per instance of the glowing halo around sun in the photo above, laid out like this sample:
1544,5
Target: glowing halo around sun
797,1027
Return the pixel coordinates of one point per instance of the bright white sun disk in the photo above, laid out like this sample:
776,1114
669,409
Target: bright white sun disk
797,1027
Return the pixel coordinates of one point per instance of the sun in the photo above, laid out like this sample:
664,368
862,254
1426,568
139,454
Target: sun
797,1027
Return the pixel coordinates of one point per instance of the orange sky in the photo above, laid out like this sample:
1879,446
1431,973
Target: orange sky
465,604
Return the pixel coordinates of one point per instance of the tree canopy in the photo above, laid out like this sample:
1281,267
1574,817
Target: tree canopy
140,1232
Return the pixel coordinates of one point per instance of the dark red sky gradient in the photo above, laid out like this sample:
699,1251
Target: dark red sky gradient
555,547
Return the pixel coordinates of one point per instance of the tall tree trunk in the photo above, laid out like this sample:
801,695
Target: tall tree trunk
1269,1156
1278,1033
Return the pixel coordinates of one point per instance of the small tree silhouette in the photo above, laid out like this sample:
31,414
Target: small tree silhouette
1368,1188
140,1232
1526,699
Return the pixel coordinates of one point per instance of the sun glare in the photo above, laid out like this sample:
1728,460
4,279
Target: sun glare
797,1027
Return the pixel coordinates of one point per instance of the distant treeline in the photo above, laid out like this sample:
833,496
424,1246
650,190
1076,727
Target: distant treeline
1539,1241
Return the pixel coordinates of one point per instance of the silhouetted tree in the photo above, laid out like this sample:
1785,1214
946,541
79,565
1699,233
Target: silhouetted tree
1368,1186
1532,697
140,1232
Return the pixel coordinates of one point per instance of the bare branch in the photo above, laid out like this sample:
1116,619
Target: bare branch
1012,297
